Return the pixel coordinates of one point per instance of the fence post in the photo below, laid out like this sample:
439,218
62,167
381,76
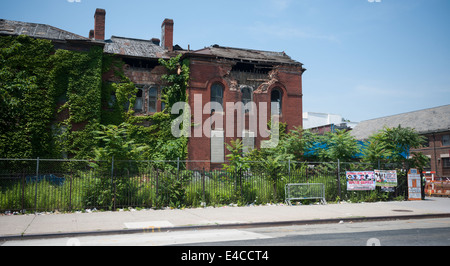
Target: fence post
203,189
289,170
23,191
70,188
36,186
113,187
339,178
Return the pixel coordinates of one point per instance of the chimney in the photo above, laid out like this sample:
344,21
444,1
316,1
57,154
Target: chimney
99,30
167,34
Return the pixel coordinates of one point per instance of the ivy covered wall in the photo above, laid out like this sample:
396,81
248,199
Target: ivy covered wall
54,104
27,98
50,100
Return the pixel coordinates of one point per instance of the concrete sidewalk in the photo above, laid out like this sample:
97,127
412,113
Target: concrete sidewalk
78,224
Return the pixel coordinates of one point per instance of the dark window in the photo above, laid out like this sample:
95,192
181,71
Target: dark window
138,105
446,162
217,93
276,102
246,98
152,100
446,140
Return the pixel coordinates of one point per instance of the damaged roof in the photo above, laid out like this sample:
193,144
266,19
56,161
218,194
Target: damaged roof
423,121
134,48
247,55
35,30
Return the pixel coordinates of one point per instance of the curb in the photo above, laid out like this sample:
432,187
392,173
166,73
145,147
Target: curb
223,226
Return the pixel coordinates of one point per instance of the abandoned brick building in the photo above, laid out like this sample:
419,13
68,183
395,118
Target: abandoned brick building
217,74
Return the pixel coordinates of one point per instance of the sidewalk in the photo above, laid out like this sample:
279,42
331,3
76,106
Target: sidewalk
77,224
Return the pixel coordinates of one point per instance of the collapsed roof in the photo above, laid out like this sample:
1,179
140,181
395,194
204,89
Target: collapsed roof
35,30
247,55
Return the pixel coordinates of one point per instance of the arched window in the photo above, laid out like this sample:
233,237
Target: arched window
276,101
217,93
152,100
246,98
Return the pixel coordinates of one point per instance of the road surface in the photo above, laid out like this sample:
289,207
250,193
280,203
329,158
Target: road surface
434,232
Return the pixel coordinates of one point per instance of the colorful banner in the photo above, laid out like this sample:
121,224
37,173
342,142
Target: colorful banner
414,187
361,180
386,178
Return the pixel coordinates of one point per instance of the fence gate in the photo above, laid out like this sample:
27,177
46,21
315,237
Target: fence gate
305,191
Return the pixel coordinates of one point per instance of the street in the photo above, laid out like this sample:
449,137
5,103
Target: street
429,232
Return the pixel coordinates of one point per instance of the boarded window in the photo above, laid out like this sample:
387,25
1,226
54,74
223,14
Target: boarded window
217,146
248,141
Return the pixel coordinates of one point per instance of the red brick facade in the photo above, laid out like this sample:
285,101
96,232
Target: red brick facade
437,148
207,71
263,76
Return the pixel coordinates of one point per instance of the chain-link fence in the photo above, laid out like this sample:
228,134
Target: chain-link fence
31,185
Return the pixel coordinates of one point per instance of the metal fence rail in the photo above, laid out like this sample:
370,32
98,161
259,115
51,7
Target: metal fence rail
31,185
305,191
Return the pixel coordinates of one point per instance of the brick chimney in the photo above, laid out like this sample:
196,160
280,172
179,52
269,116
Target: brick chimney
167,34
99,29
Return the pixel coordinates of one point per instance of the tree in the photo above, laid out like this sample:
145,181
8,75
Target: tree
419,161
339,146
273,166
237,162
116,144
400,140
376,150
298,144
392,144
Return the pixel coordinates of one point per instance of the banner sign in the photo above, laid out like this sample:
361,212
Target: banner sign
414,189
386,178
361,180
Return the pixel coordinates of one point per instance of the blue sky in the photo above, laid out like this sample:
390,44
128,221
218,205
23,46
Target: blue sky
364,59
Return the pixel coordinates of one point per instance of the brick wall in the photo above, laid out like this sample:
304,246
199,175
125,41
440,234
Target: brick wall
437,152
206,72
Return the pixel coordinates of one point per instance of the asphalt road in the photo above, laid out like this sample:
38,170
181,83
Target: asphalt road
401,237
430,232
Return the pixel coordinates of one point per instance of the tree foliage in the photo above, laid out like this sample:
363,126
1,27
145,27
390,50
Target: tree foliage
339,145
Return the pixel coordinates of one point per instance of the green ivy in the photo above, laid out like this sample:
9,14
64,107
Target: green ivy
26,99
38,84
